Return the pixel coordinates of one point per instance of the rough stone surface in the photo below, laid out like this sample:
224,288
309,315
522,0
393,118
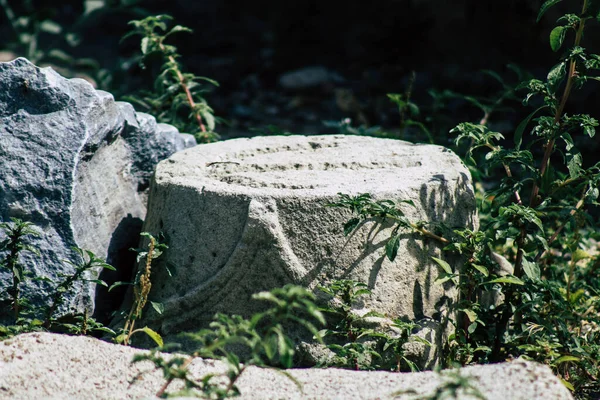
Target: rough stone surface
37,365
247,215
74,162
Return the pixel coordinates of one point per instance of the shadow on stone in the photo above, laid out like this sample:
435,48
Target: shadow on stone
125,237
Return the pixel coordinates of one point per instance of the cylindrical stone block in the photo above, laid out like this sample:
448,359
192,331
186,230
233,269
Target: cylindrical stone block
247,215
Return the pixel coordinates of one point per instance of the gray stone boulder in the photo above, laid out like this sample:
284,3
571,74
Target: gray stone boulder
76,164
36,366
247,215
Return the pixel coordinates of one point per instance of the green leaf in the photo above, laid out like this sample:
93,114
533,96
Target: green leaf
472,315
209,118
178,28
50,27
565,359
567,385
557,37
145,45
351,225
481,269
117,284
391,247
545,7
153,335
472,327
443,279
557,75
531,269
522,126
513,280
574,165
159,307
579,255
445,266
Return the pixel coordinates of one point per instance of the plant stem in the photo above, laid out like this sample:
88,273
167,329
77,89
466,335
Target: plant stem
549,147
580,204
429,234
186,89
11,263
164,387
234,379
508,173
507,313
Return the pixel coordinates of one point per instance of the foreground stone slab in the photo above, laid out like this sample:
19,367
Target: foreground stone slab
37,365
247,215
76,164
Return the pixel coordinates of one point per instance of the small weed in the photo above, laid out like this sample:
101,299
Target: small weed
358,346
16,233
89,264
175,90
141,290
364,208
529,286
454,385
25,316
239,343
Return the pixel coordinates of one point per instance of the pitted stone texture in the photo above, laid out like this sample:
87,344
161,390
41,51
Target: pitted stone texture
247,215
39,366
73,162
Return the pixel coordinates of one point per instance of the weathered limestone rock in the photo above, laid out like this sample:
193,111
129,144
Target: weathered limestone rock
36,365
74,162
247,215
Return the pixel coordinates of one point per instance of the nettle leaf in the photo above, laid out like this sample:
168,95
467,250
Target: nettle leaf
531,269
574,163
548,179
580,254
522,212
153,335
472,315
481,269
391,247
557,75
557,37
158,307
545,7
513,280
569,143
445,266
521,128
145,45
567,358
592,194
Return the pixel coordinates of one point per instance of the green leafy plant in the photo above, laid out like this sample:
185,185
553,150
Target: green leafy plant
453,385
26,317
14,244
529,285
141,290
345,127
175,90
542,235
364,208
90,264
351,351
47,34
239,343
358,345
409,111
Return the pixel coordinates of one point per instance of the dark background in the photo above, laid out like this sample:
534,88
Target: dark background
372,48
